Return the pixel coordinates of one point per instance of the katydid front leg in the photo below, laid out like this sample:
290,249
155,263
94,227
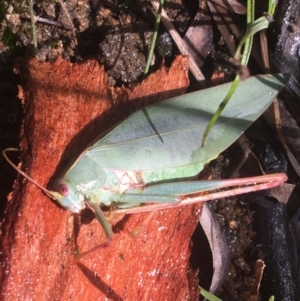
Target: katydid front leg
106,226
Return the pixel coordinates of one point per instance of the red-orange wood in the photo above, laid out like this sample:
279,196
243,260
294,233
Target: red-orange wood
66,105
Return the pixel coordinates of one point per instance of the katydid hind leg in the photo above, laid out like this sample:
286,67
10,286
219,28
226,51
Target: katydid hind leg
132,198
235,187
168,192
190,187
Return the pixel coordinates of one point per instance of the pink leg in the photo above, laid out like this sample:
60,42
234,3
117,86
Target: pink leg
254,184
95,249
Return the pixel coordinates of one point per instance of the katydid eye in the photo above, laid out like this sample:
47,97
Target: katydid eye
63,189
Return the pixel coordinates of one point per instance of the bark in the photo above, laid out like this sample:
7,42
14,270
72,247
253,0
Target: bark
65,107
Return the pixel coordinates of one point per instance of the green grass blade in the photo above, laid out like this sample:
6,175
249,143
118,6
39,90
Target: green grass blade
246,44
154,37
208,295
220,109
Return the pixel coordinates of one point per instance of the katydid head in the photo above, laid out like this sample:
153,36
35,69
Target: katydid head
77,182
68,196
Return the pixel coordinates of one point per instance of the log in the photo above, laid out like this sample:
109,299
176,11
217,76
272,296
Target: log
66,106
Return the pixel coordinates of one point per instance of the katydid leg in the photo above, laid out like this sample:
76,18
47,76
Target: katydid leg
253,184
102,219
106,227
136,197
95,249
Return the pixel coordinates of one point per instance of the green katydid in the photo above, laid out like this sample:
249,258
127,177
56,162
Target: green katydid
151,156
